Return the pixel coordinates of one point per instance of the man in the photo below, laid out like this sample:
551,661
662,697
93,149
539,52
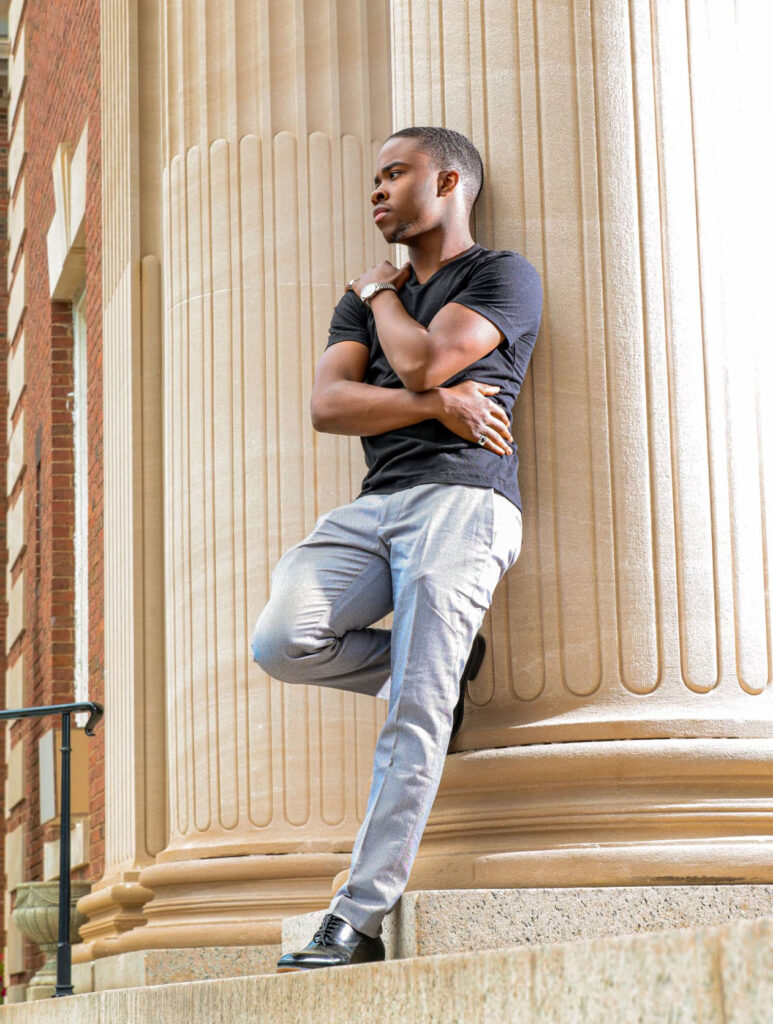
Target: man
424,363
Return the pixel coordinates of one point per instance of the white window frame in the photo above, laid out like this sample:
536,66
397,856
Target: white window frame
81,500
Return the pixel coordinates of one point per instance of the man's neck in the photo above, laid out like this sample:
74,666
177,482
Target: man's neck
433,250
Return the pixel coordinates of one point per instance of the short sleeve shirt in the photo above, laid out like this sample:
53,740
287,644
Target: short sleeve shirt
501,286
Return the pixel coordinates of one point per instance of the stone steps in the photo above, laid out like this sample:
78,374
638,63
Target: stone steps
427,922
721,974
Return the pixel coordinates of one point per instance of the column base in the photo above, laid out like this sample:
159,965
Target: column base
609,812
229,901
114,907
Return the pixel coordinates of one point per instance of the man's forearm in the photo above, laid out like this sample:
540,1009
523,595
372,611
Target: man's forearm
362,410
406,343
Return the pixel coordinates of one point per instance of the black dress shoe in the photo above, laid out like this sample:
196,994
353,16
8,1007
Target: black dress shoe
471,669
335,944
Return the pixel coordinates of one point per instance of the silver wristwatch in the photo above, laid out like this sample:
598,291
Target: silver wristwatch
373,288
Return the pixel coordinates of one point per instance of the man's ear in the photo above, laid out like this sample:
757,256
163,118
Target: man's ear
447,182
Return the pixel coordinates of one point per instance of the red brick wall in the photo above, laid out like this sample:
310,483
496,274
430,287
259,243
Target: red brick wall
61,96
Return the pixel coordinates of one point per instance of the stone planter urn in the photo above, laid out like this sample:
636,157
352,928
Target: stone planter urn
36,915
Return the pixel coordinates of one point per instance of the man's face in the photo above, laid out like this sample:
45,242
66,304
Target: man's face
405,201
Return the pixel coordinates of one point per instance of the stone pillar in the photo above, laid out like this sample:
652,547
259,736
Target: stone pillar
135,743
622,727
270,113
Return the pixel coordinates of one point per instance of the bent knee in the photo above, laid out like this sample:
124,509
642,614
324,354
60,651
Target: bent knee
268,649
284,655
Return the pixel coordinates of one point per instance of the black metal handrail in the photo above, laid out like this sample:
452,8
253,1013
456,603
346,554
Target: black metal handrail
64,948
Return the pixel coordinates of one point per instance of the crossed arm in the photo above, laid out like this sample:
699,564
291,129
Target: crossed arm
341,403
423,357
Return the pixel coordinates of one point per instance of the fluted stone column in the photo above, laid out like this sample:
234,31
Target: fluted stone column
135,827
270,113
622,727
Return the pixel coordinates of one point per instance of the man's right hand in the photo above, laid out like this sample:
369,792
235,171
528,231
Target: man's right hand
467,411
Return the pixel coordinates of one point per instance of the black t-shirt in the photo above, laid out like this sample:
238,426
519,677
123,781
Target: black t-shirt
505,288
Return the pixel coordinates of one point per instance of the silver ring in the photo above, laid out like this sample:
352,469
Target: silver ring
350,284
482,440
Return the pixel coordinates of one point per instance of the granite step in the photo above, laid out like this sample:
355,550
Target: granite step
426,922
689,975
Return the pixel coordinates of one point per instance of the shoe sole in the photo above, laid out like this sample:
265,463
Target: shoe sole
302,970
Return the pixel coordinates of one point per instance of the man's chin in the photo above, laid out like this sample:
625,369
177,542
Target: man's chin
398,233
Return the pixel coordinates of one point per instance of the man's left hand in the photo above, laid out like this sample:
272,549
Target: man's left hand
385,271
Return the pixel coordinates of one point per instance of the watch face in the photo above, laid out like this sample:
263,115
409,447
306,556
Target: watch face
368,290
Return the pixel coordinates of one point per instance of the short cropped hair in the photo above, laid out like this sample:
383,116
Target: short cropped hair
450,150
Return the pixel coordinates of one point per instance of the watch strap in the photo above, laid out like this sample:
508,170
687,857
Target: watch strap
381,286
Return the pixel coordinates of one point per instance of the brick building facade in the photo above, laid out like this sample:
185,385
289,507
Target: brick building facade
54,321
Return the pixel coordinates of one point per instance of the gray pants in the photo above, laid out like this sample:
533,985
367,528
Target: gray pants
434,554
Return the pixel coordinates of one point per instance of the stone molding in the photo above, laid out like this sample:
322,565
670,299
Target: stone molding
14,685
17,224
14,783
113,908
16,378
17,73
16,461
16,527
15,12
17,298
229,901
16,598
66,239
16,152
631,812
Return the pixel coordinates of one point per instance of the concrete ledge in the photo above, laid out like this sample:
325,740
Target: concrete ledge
693,975
426,922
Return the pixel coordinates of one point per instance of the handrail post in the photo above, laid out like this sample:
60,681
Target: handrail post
96,711
63,952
